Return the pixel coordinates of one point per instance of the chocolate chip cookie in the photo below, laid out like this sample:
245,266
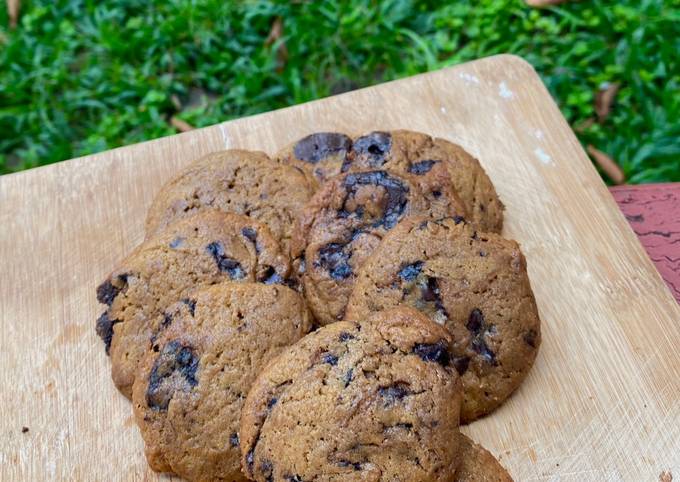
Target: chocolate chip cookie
345,221
478,465
475,284
236,181
195,376
352,402
326,154
204,249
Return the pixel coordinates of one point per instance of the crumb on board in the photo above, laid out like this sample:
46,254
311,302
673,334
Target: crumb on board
24,429
665,476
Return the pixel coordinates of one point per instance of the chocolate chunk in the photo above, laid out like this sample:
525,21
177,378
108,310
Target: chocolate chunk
302,265
481,348
293,478
251,235
475,321
344,336
191,304
348,377
330,359
270,277
174,369
477,325
167,319
104,329
409,272
437,194
437,352
267,469
373,147
396,190
394,392
250,458
233,440
334,259
107,291
176,243
319,146
461,363
224,262
431,292
530,338
421,167
458,219
347,463
271,402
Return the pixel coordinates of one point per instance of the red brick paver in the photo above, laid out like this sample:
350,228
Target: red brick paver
653,211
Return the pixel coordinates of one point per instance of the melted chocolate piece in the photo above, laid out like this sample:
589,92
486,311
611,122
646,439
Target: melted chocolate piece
432,293
373,147
251,235
347,463
167,319
107,291
233,440
461,364
267,469
250,460
176,243
271,277
409,272
530,338
104,329
174,369
330,359
478,327
334,258
224,262
191,304
437,352
319,146
421,167
348,377
394,393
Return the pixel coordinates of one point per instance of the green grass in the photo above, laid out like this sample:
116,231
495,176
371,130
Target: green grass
81,76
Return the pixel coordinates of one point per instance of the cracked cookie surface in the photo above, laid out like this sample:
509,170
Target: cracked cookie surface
194,378
205,249
235,181
376,400
475,284
345,220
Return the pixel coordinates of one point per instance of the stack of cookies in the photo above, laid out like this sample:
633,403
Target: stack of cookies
332,313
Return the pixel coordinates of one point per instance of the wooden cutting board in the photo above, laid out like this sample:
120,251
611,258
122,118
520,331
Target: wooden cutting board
602,402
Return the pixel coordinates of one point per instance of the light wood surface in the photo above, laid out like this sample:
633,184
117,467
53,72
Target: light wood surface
602,402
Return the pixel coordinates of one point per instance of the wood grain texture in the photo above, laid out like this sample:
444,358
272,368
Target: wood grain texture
653,211
602,402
